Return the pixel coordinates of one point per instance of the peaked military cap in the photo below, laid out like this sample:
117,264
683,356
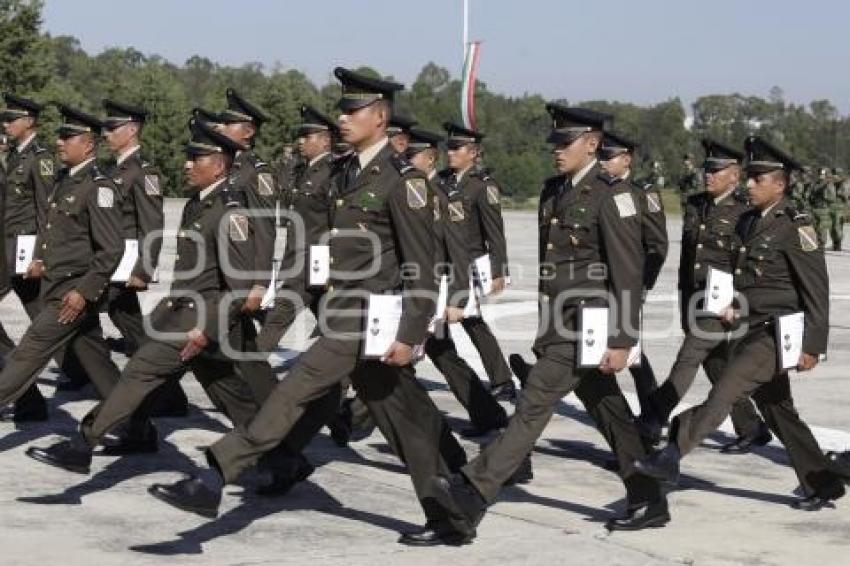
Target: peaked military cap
208,116
359,91
614,145
241,110
421,140
568,123
719,156
205,140
119,113
19,107
314,121
459,136
76,122
764,157
400,124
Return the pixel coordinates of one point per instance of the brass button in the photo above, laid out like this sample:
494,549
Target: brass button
761,257
191,305
44,246
52,205
545,298
738,271
291,207
699,246
576,226
330,288
742,249
169,304
331,260
334,230
340,202
550,246
702,226
697,266
554,221
48,225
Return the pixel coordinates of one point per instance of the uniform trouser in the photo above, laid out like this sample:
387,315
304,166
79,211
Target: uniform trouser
554,376
708,346
488,348
752,370
823,222
27,291
408,419
645,383
837,216
44,337
484,411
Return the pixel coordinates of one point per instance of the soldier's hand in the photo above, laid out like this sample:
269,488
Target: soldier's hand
399,354
34,269
498,285
73,304
254,299
614,360
806,362
136,283
728,315
196,342
454,314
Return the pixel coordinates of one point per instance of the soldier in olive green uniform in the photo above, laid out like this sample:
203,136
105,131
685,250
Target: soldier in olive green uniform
399,132
690,182
75,254
708,242
779,270
838,209
823,197
586,219
381,196
214,263
139,197
6,344
486,235
799,195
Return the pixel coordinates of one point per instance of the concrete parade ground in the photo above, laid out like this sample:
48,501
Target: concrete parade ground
727,509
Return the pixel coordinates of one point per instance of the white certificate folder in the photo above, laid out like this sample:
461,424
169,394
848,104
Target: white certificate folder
320,266
719,291
789,339
383,316
24,248
593,336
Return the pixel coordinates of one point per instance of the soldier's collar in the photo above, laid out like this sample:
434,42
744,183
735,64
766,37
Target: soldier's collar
724,197
578,177
23,145
318,158
369,154
204,193
80,166
126,155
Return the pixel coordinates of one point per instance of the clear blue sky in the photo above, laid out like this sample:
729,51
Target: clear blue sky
630,50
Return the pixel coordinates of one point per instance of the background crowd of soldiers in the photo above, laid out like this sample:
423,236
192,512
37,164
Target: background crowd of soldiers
372,171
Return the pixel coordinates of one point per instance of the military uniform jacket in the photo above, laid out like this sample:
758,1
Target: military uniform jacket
29,181
307,199
483,212
255,178
590,249
780,269
81,243
451,232
823,195
708,238
215,256
653,231
386,211
140,202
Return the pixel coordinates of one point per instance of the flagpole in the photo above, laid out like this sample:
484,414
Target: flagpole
465,28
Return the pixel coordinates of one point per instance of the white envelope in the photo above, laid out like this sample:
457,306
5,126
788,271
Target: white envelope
24,248
789,339
268,298
719,291
594,339
442,303
484,274
383,316
319,266
128,262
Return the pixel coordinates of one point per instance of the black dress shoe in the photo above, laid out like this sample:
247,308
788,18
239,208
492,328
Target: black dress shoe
476,431
282,482
504,392
127,443
744,444
647,516
662,465
72,455
839,463
523,474
340,426
813,503
459,498
117,345
189,494
432,535
25,415
520,367
649,428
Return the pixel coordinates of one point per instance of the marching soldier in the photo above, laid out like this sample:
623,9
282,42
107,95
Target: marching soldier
139,198
838,209
213,271
399,132
75,254
586,219
779,269
690,182
486,235
380,195
708,242
451,231
822,197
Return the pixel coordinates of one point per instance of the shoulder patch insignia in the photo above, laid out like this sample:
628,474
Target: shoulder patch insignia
417,193
238,227
105,197
45,167
152,185
456,211
437,214
265,184
653,202
808,238
492,194
625,205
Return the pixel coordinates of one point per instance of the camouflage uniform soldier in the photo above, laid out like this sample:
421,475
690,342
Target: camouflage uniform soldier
838,209
821,198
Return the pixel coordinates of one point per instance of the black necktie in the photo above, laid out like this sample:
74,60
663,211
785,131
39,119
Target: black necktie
192,208
352,171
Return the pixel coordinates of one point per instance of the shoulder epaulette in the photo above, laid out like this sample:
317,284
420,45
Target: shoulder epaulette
401,164
610,180
233,197
96,174
36,147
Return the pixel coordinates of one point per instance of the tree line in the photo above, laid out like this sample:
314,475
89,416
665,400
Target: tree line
34,63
